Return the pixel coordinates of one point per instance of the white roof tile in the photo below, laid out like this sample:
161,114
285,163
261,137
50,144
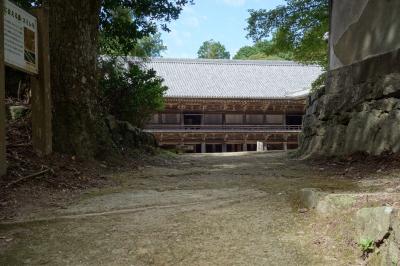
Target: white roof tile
234,78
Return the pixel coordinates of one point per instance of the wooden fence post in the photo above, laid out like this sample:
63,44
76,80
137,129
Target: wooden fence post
3,158
41,90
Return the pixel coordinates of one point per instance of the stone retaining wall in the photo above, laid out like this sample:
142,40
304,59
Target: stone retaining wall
358,110
361,29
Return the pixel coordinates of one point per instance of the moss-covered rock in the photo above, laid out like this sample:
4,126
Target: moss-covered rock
127,136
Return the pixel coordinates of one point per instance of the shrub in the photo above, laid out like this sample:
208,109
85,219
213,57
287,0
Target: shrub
131,92
319,82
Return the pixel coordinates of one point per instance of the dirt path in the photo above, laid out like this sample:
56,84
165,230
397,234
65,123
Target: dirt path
234,209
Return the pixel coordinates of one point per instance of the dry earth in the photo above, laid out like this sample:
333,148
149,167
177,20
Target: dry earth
231,209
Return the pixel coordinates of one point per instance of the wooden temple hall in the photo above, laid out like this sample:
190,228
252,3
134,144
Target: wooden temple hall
230,105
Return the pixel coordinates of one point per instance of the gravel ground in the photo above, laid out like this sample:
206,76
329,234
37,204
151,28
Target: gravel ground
226,209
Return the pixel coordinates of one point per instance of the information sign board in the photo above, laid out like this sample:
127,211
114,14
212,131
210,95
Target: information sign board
20,38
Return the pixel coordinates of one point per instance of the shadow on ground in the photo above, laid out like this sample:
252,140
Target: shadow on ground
232,209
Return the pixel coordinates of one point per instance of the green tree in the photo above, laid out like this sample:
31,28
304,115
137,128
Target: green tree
213,50
148,46
298,28
75,27
131,92
262,50
245,52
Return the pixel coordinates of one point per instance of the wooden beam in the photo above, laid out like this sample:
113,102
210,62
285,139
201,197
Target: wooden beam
3,158
42,134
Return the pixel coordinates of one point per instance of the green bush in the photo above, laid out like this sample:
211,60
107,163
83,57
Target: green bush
130,91
319,82
366,245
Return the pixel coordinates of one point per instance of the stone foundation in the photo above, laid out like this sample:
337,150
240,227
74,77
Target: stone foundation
358,110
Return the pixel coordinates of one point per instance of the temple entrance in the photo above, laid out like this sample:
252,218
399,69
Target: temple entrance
234,147
294,120
192,119
251,147
213,148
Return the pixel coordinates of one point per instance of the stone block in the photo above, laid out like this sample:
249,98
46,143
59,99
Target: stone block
395,225
333,203
362,130
386,255
389,85
374,223
334,139
388,137
310,197
382,225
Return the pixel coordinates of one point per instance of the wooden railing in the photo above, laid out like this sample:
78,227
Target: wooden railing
222,128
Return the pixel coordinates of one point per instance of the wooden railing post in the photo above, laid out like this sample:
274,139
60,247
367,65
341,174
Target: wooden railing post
3,158
41,90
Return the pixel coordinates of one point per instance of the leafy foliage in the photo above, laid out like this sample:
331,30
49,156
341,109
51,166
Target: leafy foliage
366,245
299,27
78,121
262,50
124,22
148,46
319,82
131,93
213,50
27,3
144,16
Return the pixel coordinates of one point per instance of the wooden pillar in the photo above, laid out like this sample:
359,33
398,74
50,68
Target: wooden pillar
3,158
41,91
224,147
203,147
260,146
285,148
182,119
245,143
284,118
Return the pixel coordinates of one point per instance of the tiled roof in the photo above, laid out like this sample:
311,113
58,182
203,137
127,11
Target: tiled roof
234,78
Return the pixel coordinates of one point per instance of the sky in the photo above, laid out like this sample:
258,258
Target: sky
221,20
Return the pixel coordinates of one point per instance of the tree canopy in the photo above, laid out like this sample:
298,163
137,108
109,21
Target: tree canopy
213,50
124,22
262,50
79,30
298,27
148,46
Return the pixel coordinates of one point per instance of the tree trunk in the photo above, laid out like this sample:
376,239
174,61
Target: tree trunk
78,124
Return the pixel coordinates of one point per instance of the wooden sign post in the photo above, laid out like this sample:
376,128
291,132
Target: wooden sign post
24,45
41,91
3,159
